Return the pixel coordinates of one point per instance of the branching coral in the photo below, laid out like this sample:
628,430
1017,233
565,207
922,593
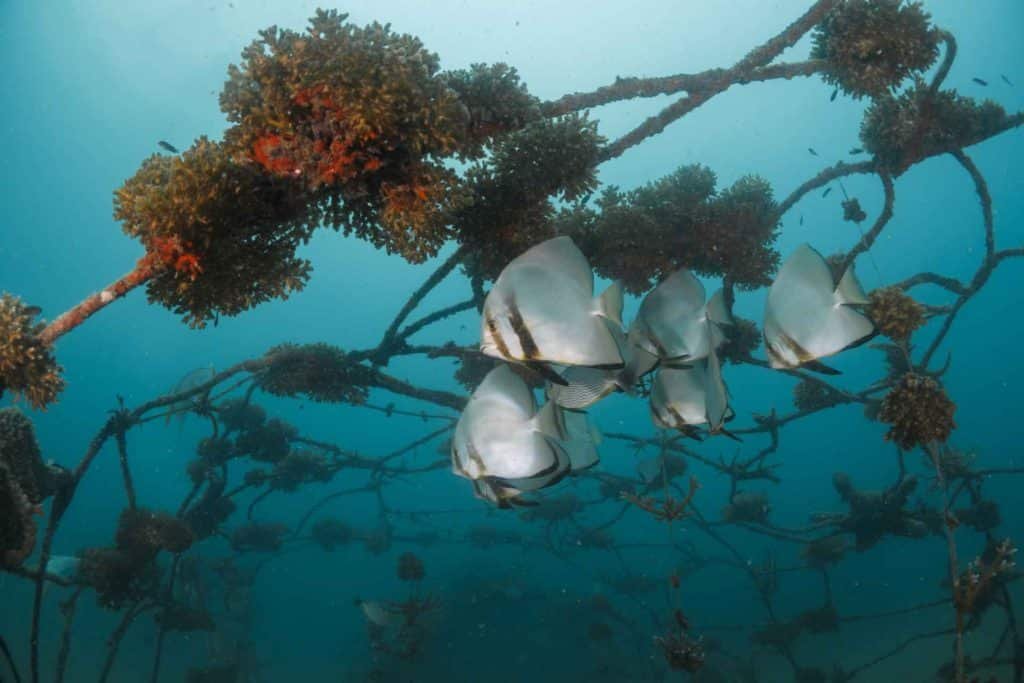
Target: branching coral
918,411
17,528
871,46
237,414
894,313
822,552
642,236
362,117
143,533
321,372
497,101
27,366
852,211
509,208
300,467
220,235
900,131
118,576
185,619
742,339
270,442
19,452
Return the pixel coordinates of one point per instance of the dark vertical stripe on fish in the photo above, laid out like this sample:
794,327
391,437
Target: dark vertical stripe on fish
526,343
492,325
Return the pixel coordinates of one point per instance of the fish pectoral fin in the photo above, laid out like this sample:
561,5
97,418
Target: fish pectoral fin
547,373
725,432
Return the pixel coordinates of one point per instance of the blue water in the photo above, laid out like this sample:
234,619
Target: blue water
89,87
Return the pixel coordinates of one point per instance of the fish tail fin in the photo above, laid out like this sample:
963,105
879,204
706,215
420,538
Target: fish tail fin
819,367
717,311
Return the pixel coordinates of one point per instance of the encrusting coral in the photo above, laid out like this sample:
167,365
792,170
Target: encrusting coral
321,372
852,211
27,365
895,314
871,46
143,533
918,411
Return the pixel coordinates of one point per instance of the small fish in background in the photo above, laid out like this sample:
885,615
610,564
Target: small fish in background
168,146
980,81
1006,80
811,150
857,150
826,192
801,219
834,94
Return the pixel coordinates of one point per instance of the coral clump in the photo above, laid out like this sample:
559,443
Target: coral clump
119,577
852,211
17,528
261,537
822,552
220,235
509,208
982,516
871,46
143,533
410,567
270,442
331,533
642,236
321,372
900,131
27,365
300,467
918,411
747,507
811,395
19,451
362,117
823,619
743,337
238,414
211,511
895,313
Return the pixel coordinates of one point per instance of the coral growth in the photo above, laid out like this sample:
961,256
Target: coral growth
852,211
871,46
743,337
143,533
17,528
918,411
270,442
900,131
320,372
895,314
27,365
220,235
822,552
300,467
509,208
118,576
642,236
185,619
238,414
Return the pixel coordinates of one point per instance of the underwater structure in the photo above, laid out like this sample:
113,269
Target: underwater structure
357,129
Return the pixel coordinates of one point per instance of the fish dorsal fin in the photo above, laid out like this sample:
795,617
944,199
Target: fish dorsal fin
503,384
559,254
680,291
609,304
717,311
849,290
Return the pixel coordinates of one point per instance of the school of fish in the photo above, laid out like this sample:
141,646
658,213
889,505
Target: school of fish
542,314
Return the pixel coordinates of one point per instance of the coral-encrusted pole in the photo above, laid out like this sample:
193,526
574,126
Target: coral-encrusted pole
72,318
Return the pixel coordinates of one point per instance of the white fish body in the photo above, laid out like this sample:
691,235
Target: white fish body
379,614
687,397
542,309
675,322
807,316
502,438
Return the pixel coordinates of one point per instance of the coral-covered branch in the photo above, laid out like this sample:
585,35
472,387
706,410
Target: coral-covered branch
94,303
